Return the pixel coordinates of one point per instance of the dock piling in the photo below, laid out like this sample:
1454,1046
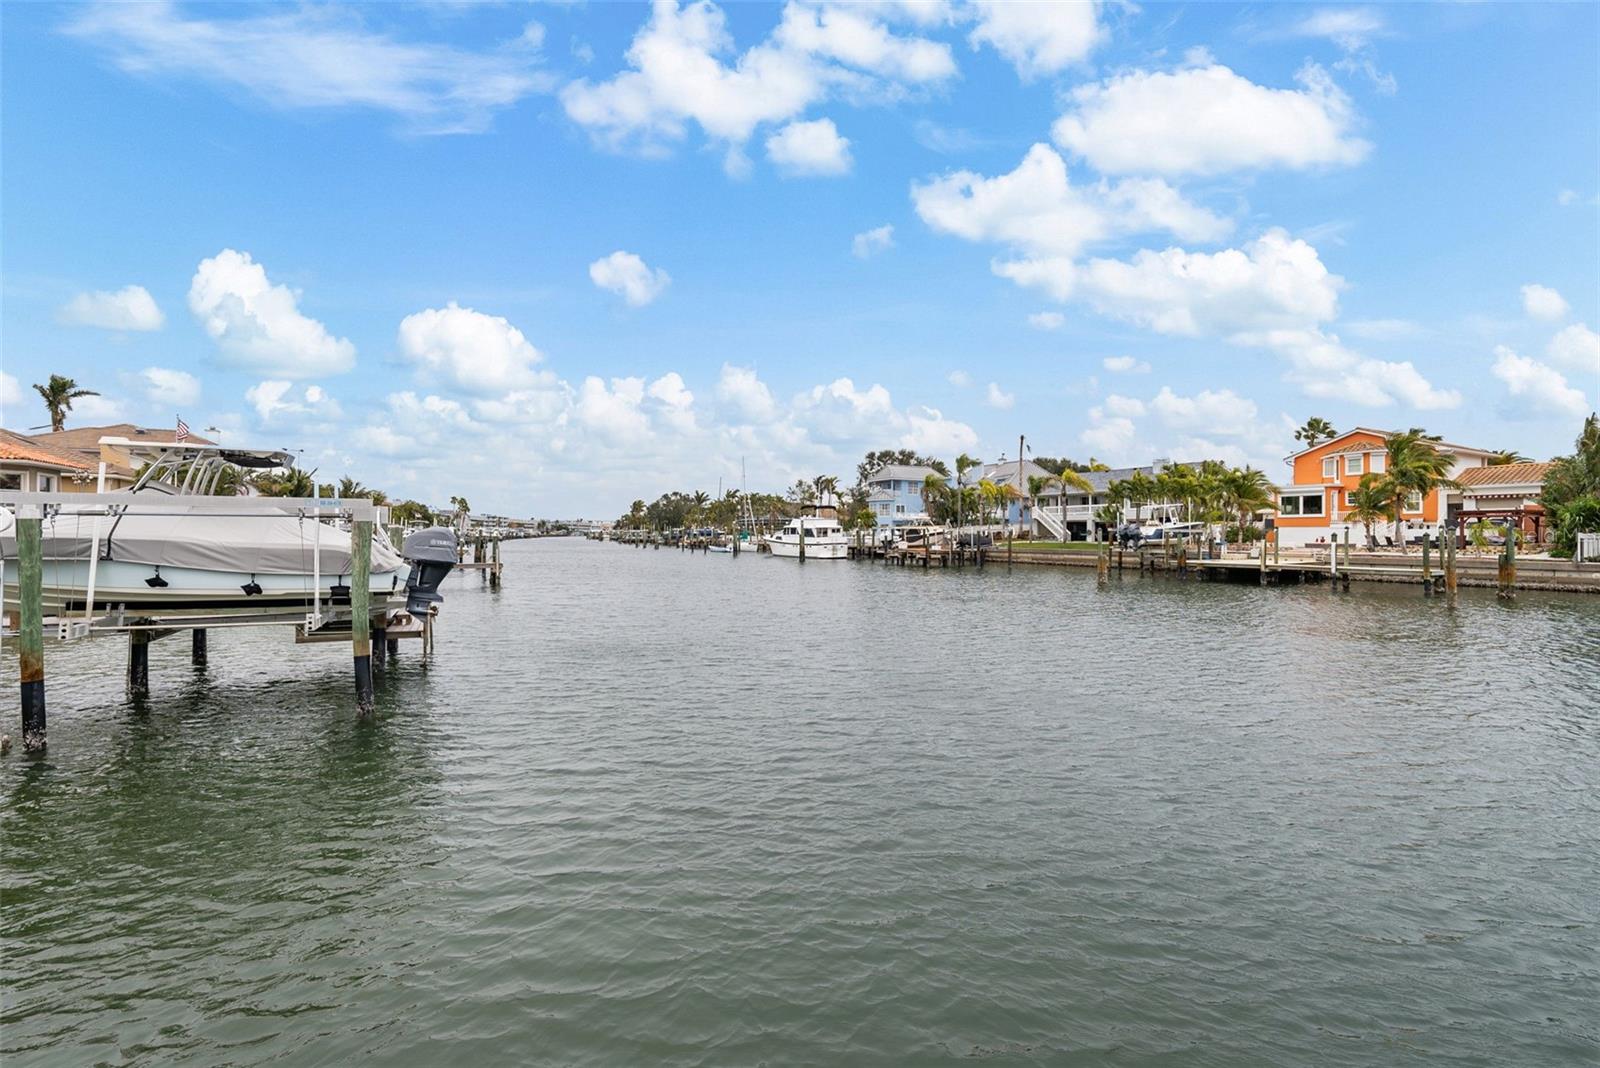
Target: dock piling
1450,569
1427,570
1507,590
380,646
30,639
197,646
361,612
139,663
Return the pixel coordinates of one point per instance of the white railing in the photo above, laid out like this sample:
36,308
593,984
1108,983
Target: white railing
1050,518
1588,548
1080,513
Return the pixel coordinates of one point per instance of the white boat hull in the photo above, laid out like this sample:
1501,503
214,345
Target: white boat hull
124,585
823,548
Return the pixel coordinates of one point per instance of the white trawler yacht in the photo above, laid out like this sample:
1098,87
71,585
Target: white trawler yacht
812,537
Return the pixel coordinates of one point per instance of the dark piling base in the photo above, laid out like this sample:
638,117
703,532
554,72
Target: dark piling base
138,664
380,646
363,665
197,650
33,721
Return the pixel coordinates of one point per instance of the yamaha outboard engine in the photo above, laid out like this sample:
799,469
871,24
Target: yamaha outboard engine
432,553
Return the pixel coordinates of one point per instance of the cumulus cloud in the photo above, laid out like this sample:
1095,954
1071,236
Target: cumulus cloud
258,326
1037,38
1577,347
810,148
1220,411
477,352
869,242
163,385
1209,120
276,398
129,308
1047,320
1037,209
1125,365
996,397
682,70
745,395
1274,293
626,275
11,396
1536,388
848,36
1542,302
959,379
314,57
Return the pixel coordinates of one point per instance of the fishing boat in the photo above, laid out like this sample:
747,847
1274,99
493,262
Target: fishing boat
168,559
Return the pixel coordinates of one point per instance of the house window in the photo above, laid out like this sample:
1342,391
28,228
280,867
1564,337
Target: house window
47,483
1330,467
1311,504
1289,505
1352,463
1349,499
900,509
1413,501
10,480
1378,462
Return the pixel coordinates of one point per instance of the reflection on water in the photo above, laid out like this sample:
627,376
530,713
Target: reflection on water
653,807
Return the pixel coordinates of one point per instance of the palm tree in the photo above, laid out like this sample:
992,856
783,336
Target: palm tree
1370,503
1244,492
1316,429
937,498
1506,456
1416,466
1069,479
460,505
58,397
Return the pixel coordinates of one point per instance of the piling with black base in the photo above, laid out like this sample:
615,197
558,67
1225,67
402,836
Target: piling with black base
197,648
361,612
30,639
380,646
139,663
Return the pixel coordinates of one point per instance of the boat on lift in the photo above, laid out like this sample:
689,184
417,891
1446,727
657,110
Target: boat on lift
812,537
213,560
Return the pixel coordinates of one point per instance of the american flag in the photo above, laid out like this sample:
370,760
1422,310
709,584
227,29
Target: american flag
183,430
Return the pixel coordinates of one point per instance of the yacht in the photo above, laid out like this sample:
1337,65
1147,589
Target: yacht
168,560
813,537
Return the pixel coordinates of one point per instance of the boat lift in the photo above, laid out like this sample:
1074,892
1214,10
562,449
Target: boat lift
373,633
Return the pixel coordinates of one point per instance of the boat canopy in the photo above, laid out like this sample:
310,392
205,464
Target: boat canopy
268,544
190,468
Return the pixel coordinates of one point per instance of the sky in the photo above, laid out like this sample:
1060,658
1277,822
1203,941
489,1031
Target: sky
556,257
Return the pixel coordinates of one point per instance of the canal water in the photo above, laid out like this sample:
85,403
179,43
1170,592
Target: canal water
646,807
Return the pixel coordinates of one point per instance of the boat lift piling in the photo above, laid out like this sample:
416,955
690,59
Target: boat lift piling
30,644
361,612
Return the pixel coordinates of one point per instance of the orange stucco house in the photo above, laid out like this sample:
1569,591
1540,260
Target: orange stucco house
1313,505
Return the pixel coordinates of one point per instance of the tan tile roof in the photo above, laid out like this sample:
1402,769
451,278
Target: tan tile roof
18,447
1359,446
87,438
1505,475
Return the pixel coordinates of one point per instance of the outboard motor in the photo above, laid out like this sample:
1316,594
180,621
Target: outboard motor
432,553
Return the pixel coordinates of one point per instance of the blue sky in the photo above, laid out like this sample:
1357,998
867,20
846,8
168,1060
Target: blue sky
556,257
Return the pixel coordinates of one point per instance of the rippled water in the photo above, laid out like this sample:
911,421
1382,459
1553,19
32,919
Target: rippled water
646,807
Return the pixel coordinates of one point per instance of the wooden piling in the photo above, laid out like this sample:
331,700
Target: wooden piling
1102,565
197,646
1262,576
30,639
1427,571
361,612
1507,590
1450,568
380,646
138,663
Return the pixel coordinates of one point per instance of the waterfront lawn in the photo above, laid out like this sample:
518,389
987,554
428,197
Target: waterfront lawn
1059,546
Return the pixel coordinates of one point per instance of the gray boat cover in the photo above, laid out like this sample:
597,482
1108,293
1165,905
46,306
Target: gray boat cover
260,545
